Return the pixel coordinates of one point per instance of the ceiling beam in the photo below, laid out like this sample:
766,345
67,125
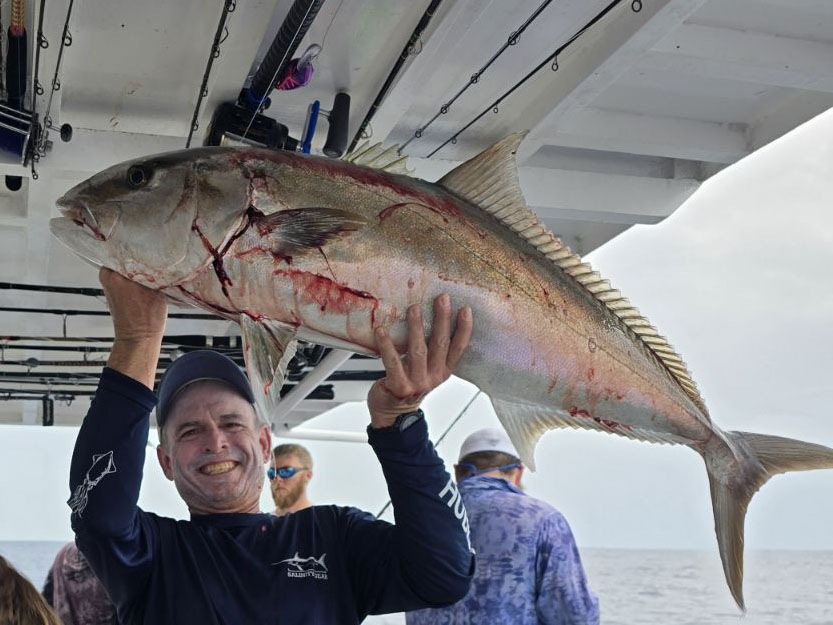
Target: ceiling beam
589,66
791,113
744,56
91,151
597,197
672,137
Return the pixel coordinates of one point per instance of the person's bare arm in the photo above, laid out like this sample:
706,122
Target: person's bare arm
139,315
424,368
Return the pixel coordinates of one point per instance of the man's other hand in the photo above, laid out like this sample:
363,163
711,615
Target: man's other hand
407,381
139,315
138,312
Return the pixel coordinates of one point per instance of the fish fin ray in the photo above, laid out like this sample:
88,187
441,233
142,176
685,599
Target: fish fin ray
736,473
377,156
490,182
289,231
268,346
526,423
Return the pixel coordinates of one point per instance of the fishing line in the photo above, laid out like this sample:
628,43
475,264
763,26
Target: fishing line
512,40
277,71
228,7
333,19
552,59
440,439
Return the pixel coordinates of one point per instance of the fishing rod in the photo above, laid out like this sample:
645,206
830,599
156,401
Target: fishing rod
323,392
36,393
31,363
45,288
513,39
175,340
407,51
72,312
552,60
219,37
34,376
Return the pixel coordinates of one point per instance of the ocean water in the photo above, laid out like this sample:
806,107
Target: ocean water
640,587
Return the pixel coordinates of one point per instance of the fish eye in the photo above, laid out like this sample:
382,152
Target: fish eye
137,176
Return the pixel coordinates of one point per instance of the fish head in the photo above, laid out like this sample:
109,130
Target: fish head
157,220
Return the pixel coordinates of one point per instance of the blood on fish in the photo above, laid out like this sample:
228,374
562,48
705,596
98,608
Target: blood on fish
95,231
591,373
222,276
223,312
252,215
253,315
328,294
142,274
612,393
284,257
575,412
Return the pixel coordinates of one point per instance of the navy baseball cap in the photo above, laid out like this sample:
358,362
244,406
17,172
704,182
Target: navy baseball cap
201,364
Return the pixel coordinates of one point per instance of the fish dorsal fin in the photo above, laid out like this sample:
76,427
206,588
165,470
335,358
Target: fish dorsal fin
378,157
490,182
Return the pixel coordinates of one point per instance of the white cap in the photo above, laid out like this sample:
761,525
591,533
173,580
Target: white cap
487,439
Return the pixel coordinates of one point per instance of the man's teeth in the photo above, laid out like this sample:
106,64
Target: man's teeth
220,467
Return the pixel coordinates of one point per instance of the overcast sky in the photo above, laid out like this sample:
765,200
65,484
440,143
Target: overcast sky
738,278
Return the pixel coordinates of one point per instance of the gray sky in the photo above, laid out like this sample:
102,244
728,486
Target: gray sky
739,280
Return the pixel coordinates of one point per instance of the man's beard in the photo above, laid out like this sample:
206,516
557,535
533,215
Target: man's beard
287,498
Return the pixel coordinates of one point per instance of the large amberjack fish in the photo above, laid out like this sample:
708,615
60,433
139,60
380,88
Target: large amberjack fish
302,247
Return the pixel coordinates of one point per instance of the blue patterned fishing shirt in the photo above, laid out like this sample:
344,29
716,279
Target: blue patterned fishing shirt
528,570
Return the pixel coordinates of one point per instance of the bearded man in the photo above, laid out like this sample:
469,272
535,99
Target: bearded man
289,476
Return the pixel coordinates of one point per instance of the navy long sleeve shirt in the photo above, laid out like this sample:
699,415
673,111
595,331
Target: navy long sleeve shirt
325,564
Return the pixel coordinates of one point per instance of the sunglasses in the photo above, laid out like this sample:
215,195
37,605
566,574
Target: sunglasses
473,470
283,472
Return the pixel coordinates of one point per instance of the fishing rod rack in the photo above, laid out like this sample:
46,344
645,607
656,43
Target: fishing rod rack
68,367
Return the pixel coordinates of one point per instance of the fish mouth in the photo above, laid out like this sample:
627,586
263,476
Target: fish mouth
79,213
78,230
218,468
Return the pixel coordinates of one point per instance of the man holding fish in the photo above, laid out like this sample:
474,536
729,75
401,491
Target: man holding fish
296,247
231,563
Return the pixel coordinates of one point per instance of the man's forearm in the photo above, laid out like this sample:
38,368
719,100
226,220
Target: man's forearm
430,519
109,455
136,358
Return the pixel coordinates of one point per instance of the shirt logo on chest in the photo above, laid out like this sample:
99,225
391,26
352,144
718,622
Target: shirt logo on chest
296,566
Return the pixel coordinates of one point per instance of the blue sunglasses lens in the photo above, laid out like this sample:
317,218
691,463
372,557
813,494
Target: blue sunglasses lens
282,472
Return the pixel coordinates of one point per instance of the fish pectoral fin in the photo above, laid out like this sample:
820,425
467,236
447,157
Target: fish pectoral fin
291,231
268,346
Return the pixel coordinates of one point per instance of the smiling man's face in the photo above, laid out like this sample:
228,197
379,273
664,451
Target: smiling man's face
215,449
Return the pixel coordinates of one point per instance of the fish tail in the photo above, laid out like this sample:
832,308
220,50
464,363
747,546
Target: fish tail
738,465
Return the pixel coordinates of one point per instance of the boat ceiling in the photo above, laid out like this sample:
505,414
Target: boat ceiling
643,102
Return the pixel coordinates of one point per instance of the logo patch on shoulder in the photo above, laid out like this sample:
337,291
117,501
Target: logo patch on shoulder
296,566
